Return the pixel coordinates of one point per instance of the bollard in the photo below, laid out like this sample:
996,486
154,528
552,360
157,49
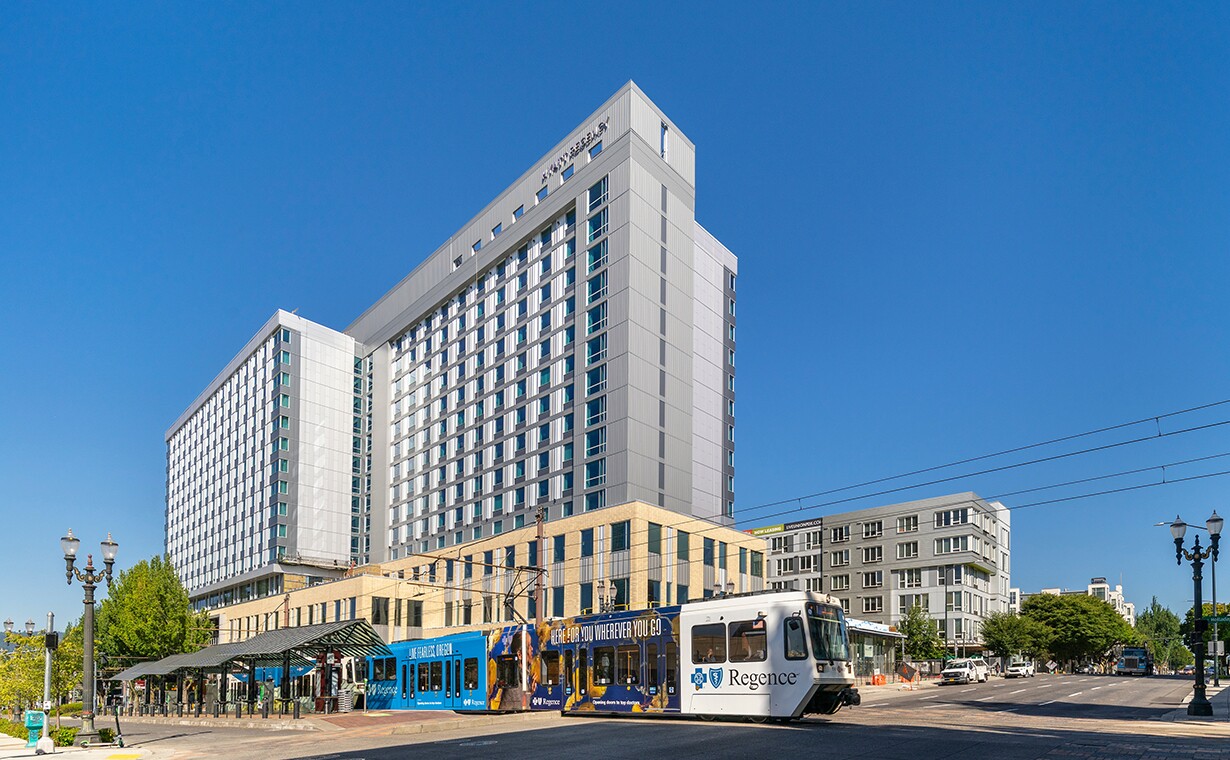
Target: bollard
265,710
198,708
179,709
239,709
215,709
296,710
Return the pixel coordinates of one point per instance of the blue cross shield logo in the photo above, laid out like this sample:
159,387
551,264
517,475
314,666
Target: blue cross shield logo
698,678
715,677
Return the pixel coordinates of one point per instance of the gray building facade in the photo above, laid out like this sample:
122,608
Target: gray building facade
949,554
571,347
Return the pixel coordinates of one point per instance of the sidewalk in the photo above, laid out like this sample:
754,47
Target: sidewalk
11,747
1219,697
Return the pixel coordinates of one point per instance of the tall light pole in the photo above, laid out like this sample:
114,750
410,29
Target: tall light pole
1213,568
1200,705
89,581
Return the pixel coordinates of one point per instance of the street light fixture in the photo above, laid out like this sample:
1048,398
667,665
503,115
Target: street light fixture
607,591
1200,704
8,625
89,581
30,627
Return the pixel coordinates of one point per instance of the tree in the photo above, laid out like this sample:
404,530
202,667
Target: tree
922,637
1008,634
1160,631
1081,627
146,615
21,671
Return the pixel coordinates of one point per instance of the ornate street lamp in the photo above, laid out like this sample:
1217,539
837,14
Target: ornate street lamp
89,581
607,591
1200,704
8,625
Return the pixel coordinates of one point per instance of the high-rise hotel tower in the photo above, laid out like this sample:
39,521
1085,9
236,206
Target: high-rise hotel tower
571,347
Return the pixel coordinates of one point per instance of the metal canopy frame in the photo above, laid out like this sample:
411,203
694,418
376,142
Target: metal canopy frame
353,638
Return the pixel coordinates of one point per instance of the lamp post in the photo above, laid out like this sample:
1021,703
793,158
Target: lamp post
1215,519
1200,704
606,595
89,581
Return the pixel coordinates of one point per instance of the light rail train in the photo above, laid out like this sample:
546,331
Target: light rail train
773,655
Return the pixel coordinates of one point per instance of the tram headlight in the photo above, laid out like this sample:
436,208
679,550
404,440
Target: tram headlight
819,667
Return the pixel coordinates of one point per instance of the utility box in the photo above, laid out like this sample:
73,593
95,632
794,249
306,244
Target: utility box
34,724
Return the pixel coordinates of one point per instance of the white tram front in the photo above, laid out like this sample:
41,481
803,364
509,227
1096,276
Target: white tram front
775,655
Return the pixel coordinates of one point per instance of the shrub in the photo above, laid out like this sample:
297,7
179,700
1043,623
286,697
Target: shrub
68,709
106,735
63,736
13,728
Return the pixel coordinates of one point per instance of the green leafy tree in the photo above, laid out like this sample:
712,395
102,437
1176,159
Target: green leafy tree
1161,632
1080,627
922,636
1008,634
66,665
21,671
146,615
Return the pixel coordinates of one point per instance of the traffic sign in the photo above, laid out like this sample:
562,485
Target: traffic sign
1219,619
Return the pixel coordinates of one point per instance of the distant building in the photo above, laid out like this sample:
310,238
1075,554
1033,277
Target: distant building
949,554
1100,588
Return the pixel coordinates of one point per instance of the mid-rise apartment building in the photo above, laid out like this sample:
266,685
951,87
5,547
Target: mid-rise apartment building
949,554
1100,589
570,348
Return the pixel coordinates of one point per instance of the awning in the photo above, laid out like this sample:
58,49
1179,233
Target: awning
352,638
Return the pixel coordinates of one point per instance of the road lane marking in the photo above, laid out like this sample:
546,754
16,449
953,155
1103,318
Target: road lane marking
965,690
929,696
1095,688
1018,691
1076,694
1044,704
928,707
1046,686
877,704
984,699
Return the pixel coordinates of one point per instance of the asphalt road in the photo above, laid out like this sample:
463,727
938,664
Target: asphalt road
1044,717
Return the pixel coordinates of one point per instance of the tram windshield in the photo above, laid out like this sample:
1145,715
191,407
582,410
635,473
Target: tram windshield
829,640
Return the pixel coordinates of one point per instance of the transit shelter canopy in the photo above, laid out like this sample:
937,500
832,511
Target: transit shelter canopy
352,638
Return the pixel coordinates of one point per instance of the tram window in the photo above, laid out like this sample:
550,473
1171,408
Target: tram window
796,640
583,670
709,643
457,676
651,666
407,688
604,665
550,668
567,668
628,665
672,668
747,640
471,674
437,675
448,680
378,669
424,677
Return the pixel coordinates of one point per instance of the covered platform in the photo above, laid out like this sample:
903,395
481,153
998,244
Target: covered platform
277,654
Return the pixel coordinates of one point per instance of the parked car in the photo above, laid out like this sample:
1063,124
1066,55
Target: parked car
1020,669
959,671
1188,670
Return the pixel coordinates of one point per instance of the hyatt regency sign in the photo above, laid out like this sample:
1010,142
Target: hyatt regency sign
566,156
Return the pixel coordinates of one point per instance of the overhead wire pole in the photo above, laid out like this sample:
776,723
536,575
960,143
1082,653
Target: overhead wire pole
539,591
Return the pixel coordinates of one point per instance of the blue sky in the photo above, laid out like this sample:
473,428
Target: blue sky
961,228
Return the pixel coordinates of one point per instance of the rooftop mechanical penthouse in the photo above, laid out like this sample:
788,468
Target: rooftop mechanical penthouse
570,347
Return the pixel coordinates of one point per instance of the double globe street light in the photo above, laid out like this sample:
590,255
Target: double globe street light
8,626
89,581
1200,705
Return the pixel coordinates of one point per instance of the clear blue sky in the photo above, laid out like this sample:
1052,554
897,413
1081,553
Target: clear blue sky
961,228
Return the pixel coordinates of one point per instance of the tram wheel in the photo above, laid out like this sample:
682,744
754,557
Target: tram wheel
707,717
759,718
